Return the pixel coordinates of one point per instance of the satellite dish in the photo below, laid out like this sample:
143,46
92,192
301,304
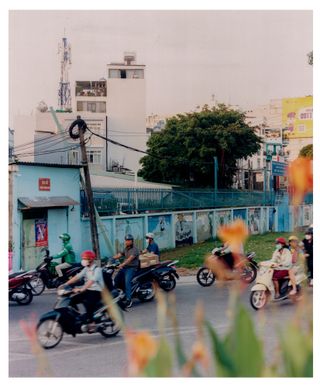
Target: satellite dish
42,107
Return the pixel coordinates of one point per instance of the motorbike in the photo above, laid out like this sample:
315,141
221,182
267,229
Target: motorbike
36,283
165,274
64,318
143,282
48,275
263,290
246,267
20,289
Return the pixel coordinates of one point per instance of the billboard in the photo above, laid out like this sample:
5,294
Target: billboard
297,117
272,136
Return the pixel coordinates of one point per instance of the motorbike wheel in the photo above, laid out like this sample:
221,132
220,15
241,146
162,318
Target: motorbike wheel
150,296
49,333
28,297
205,277
258,299
112,328
38,285
167,282
249,273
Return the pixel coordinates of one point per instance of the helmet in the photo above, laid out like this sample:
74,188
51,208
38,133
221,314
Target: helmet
65,237
88,254
281,240
310,230
150,235
293,238
128,237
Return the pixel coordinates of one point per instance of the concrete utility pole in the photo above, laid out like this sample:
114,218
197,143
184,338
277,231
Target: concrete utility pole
82,126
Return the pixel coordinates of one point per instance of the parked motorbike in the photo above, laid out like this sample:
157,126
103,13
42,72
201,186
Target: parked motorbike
36,283
65,318
263,290
48,274
246,267
20,289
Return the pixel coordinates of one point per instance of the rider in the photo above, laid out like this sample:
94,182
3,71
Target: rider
308,249
283,258
67,254
294,250
129,267
152,245
90,292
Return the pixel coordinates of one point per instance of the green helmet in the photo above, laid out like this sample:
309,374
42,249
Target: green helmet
65,237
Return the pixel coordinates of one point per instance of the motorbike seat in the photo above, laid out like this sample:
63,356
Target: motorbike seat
13,275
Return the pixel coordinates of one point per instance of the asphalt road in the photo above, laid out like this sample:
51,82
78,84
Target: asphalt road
94,356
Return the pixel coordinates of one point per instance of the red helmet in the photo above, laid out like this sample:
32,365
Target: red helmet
88,254
281,240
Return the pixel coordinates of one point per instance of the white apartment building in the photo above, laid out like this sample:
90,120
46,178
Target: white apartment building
113,108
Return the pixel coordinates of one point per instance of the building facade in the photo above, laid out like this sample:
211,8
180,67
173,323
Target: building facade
43,203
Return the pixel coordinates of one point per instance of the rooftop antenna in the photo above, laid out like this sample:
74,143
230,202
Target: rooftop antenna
64,92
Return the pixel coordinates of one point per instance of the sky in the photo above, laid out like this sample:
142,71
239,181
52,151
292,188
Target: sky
243,57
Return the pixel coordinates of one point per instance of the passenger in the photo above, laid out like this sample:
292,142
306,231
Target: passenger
152,245
283,258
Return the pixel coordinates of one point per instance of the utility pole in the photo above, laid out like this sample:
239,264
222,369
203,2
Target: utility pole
82,126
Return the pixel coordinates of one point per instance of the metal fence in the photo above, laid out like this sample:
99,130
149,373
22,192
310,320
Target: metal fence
128,200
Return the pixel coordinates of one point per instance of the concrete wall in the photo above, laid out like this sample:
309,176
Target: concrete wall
197,226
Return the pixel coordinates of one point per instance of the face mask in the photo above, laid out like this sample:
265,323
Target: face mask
84,262
279,246
308,237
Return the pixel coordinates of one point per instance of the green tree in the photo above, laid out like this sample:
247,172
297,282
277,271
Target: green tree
307,151
183,152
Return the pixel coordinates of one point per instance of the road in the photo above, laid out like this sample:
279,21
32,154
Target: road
94,356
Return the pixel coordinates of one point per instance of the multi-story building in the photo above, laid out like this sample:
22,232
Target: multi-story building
126,111
113,108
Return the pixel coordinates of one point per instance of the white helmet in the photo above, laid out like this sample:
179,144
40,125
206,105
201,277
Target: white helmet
150,235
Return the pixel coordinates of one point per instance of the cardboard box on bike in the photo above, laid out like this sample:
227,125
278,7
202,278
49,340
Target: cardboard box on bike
148,259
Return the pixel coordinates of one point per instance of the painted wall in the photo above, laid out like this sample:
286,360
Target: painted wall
64,182
174,229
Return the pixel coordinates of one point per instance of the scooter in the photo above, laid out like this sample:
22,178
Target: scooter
247,268
263,290
36,282
20,289
165,274
65,318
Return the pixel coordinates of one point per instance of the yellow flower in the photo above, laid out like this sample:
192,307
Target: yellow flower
142,347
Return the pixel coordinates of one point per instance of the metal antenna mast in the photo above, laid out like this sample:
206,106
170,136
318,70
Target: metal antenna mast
64,92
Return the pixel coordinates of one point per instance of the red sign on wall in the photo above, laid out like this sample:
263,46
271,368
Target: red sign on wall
44,184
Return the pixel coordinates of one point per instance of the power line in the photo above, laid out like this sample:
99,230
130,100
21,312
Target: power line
41,141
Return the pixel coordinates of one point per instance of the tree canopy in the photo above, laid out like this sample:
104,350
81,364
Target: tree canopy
183,152
307,151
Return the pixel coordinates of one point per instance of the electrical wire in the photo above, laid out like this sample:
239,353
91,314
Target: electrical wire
46,139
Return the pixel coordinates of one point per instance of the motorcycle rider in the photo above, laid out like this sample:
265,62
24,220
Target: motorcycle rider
294,250
283,258
67,254
128,268
90,293
308,249
152,245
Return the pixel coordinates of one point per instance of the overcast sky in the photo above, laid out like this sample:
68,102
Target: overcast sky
242,57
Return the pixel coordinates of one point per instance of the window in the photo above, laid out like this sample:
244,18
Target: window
114,73
91,107
94,156
128,73
259,163
123,74
79,106
73,157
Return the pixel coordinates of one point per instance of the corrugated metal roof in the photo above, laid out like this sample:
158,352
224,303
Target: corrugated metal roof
46,202
46,164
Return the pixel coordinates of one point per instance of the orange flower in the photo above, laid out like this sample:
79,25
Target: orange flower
234,234
142,347
300,178
200,354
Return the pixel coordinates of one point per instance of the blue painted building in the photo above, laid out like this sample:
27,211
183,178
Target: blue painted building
43,203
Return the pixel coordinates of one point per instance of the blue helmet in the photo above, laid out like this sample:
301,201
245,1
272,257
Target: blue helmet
128,237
